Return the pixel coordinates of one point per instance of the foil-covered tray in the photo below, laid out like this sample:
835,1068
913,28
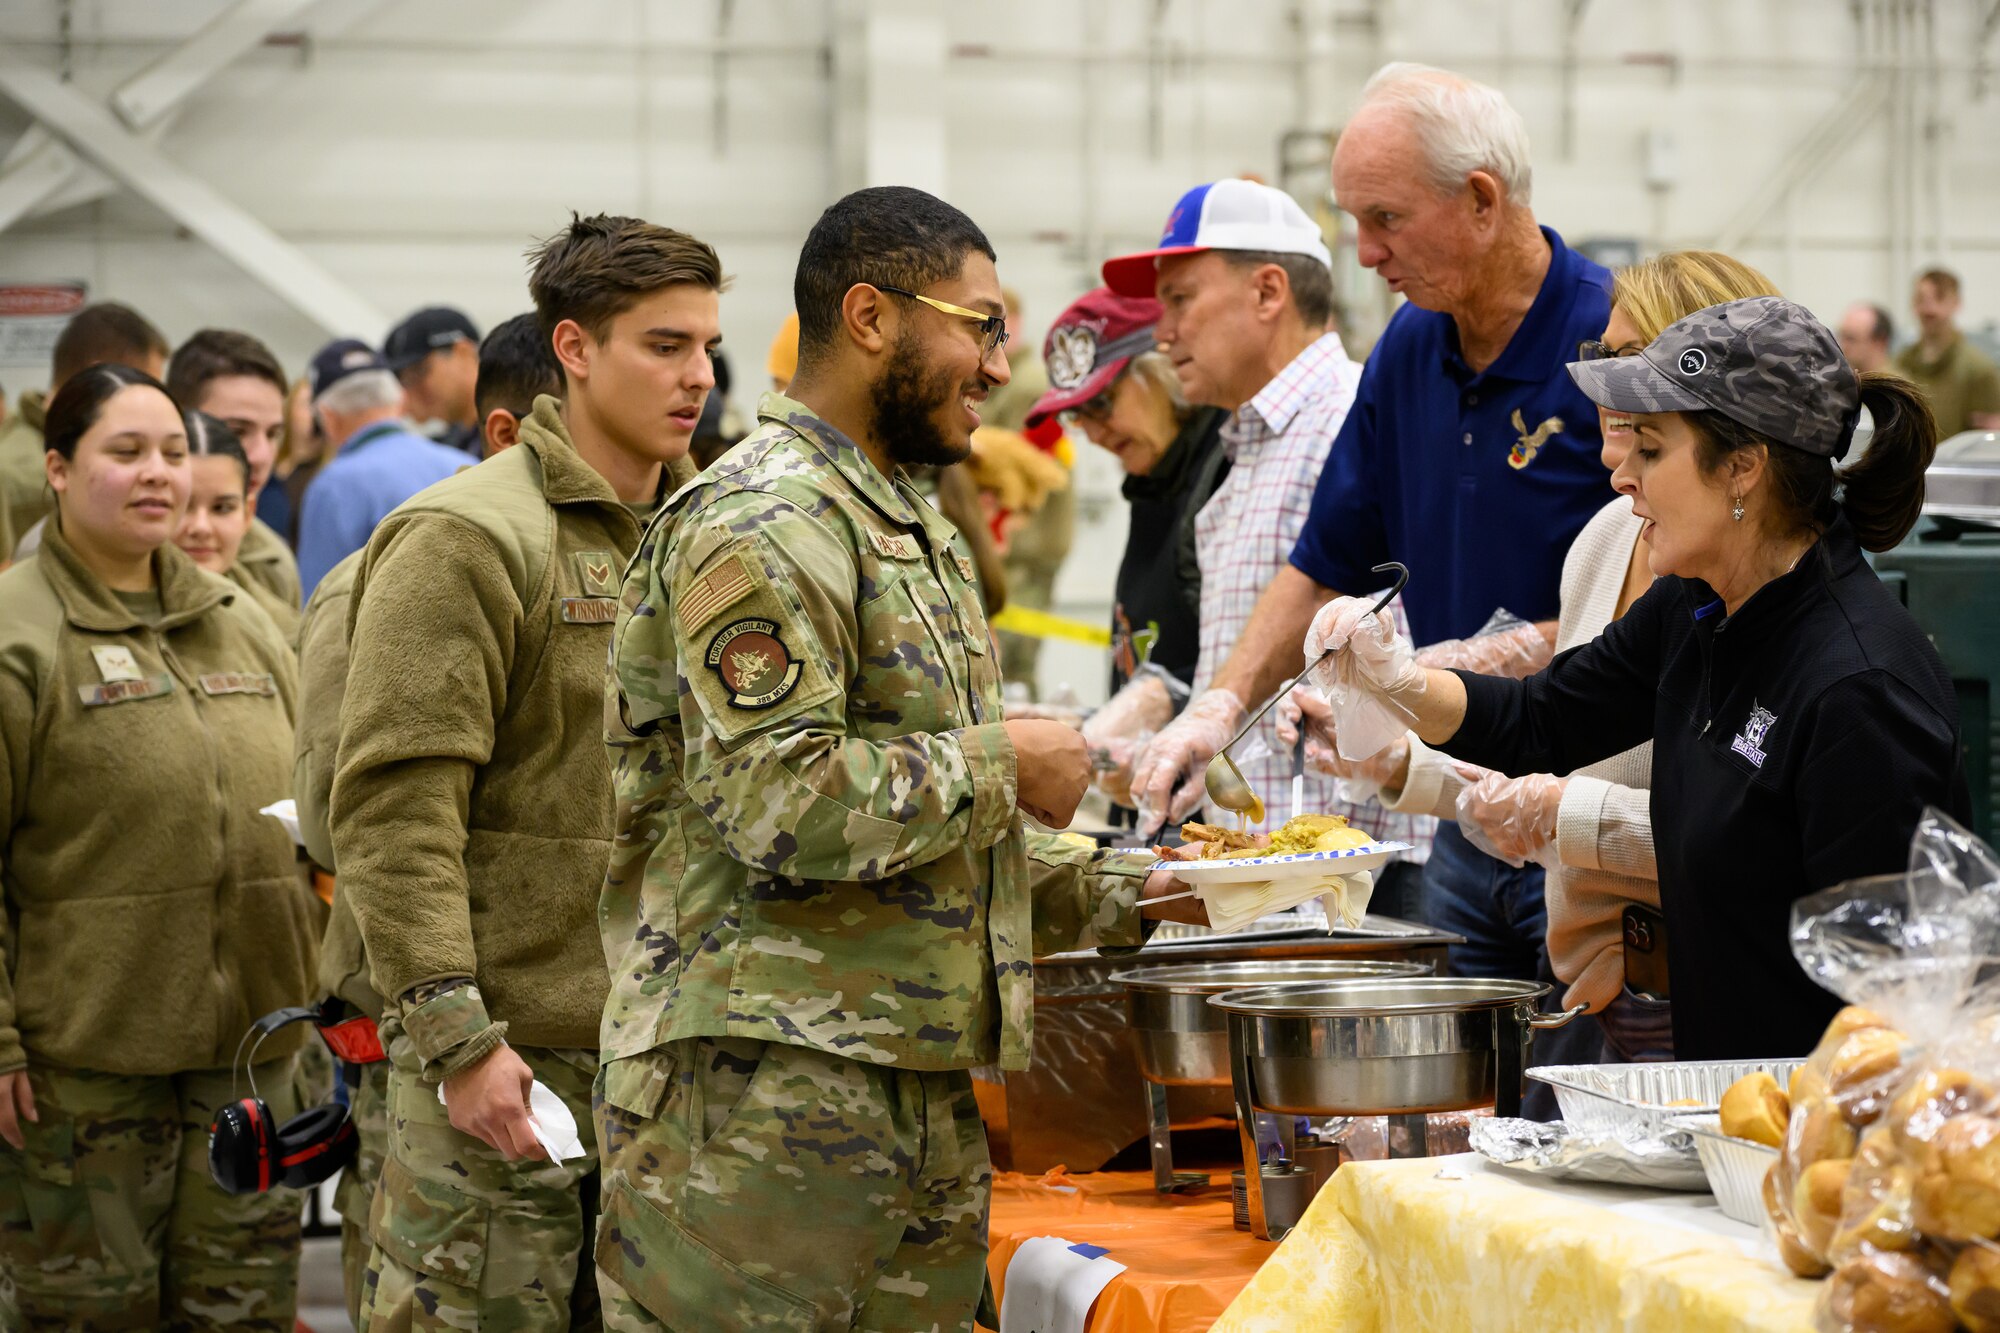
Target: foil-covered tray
1648,1095
1735,1167
1627,1154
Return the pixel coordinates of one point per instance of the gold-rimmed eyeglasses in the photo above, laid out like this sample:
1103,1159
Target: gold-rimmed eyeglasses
992,328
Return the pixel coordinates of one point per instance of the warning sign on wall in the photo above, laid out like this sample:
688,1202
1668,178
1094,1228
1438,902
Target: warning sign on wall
32,314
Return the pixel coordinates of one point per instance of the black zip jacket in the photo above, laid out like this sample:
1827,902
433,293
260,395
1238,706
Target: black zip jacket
1158,597
1795,745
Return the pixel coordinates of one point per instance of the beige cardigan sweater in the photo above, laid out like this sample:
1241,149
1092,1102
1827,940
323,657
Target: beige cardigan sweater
1604,830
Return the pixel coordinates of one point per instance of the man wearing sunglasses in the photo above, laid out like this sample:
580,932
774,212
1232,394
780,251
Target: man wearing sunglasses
823,902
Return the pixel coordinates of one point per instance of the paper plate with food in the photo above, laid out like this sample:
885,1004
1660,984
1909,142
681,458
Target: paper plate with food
1242,877
1305,846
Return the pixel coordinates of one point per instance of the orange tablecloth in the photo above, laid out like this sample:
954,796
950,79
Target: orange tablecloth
1184,1262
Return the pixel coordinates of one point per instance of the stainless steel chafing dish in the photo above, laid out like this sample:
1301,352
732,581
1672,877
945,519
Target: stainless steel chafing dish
1183,1042
1402,1046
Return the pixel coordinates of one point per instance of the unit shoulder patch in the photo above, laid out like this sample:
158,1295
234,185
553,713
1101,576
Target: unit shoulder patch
753,663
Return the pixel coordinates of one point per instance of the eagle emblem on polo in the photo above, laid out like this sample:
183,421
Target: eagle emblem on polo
753,663
1071,355
1531,441
1749,742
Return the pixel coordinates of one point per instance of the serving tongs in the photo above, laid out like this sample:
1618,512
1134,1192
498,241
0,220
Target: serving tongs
1226,784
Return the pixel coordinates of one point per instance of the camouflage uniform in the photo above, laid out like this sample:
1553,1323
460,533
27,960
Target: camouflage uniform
124,1227
821,906
470,1239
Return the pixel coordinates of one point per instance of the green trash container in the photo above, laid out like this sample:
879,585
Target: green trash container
1949,576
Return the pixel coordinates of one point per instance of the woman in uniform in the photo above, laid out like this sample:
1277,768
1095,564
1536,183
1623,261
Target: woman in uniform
219,514
1801,721
152,913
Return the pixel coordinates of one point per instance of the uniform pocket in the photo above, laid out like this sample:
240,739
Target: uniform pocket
429,1227
723,1069
681,1280
46,1226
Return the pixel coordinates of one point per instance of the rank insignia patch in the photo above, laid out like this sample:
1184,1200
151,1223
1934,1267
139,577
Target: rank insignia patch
599,573
753,662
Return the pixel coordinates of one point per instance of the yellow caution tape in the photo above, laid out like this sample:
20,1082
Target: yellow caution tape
1035,624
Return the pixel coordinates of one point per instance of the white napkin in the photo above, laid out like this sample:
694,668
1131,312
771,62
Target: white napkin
1234,906
1051,1285
286,812
555,1127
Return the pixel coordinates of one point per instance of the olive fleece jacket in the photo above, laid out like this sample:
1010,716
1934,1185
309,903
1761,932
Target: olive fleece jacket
265,560
471,805
151,912
322,648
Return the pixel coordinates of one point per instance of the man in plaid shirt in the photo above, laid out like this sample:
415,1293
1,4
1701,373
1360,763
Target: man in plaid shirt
1245,287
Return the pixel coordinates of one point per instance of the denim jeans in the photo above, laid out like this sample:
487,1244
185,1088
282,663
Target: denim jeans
1637,1029
1497,908
1500,912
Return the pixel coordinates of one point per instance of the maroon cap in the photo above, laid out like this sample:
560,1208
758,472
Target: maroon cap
1089,344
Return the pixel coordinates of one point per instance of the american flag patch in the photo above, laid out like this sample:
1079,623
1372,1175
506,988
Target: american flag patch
714,592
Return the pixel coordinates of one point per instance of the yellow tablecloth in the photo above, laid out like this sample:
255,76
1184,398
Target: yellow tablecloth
1454,1243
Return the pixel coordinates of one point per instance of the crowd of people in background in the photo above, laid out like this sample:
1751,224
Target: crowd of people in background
387,588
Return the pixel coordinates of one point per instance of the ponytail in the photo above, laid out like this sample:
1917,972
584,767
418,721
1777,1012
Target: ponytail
1883,491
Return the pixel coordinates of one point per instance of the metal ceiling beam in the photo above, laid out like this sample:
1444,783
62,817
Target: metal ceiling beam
96,135
35,174
170,80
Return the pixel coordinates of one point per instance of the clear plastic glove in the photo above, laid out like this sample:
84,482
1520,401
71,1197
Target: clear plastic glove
1513,819
1367,679
1304,708
1517,650
1167,777
1116,732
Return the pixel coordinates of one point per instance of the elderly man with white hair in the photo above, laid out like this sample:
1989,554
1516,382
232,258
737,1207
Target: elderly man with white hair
378,461
1469,455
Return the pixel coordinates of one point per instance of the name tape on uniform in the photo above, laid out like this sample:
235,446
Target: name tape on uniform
239,682
590,610
896,545
119,691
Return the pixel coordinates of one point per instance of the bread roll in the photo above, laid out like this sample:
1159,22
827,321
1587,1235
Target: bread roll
1876,1210
1816,1202
1818,1133
1791,1248
1864,1072
1933,1097
1958,1192
1888,1293
1975,1289
1757,1109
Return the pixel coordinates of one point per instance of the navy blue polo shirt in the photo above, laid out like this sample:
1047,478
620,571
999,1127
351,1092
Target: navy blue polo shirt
1477,482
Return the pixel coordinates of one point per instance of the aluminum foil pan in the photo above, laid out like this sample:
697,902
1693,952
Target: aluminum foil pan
1622,1155
1735,1167
1647,1096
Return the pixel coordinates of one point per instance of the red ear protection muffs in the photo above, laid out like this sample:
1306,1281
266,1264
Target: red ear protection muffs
249,1151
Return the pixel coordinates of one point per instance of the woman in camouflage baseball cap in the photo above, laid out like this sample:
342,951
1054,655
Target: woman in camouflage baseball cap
1801,721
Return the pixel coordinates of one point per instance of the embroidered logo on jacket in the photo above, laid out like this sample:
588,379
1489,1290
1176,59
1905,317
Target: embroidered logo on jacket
1750,741
1531,442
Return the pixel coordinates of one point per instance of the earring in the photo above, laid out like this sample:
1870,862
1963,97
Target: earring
1736,509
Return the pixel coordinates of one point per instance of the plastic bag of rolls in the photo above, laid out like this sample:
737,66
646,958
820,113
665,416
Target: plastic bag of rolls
1888,1179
